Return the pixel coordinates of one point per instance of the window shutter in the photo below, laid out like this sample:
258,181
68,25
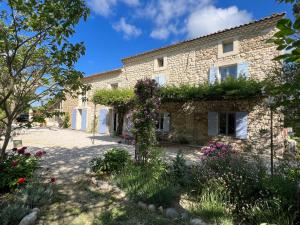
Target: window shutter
243,70
84,119
212,123
160,79
166,125
213,72
74,119
241,128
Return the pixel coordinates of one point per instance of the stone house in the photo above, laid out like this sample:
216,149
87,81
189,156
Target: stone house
238,51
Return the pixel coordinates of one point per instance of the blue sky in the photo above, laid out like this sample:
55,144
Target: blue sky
120,28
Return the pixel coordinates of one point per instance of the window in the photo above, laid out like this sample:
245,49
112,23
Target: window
160,122
227,46
160,62
227,123
114,86
228,71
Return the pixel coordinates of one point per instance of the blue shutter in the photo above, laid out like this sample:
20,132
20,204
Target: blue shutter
74,112
243,70
166,125
212,123
213,73
160,79
84,119
241,128
103,128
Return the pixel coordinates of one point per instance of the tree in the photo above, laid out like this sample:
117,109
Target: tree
287,38
36,58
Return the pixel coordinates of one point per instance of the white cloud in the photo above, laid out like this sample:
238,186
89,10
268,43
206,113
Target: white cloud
160,33
105,7
211,19
127,29
131,2
102,7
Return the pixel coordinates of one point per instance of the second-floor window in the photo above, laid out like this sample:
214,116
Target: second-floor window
160,62
227,46
228,71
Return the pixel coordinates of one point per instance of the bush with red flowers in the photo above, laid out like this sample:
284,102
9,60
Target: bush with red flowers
17,167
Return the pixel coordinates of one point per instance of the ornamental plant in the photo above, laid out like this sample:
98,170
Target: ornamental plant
216,149
147,103
17,167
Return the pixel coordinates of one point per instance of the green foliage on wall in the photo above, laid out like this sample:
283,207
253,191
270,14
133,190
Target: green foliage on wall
226,90
113,97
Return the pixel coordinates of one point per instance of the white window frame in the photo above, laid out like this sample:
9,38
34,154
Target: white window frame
235,51
156,64
226,66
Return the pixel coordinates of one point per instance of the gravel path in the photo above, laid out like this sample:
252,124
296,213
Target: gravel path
68,152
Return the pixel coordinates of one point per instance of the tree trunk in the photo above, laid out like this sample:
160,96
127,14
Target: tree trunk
121,113
6,139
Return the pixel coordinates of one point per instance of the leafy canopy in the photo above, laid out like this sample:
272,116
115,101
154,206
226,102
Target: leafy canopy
287,38
37,60
229,89
113,97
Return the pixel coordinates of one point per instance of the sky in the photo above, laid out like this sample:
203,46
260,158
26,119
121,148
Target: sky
120,28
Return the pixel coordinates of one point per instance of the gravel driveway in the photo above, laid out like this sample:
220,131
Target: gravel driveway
69,151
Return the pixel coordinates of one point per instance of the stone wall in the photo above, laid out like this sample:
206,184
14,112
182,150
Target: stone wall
189,122
190,62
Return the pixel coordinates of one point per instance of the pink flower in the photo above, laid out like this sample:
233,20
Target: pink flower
40,153
27,154
21,151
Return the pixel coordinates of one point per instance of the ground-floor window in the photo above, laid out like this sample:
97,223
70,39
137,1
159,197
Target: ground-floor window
227,123
163,122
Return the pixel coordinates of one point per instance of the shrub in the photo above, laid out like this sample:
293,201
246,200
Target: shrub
66,121
37,194
17,167
216,149
12,214
179,171
113,161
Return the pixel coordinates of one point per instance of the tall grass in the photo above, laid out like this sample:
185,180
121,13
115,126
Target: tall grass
148,184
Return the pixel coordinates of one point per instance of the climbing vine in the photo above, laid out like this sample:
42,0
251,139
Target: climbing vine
147,103
119,99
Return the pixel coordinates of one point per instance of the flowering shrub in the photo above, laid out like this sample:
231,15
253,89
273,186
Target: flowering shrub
113,162
17,167
216,149
145,117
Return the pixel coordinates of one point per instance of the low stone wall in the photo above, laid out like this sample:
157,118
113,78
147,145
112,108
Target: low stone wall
189,122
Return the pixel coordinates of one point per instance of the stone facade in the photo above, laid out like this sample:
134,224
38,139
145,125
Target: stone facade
190,62
189,123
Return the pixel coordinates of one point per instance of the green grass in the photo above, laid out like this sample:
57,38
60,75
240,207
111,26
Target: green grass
211,205
147,184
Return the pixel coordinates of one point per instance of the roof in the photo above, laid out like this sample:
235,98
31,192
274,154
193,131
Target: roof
97,75
275,16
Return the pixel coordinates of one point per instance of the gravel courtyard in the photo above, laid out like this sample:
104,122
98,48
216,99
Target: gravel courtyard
68,152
